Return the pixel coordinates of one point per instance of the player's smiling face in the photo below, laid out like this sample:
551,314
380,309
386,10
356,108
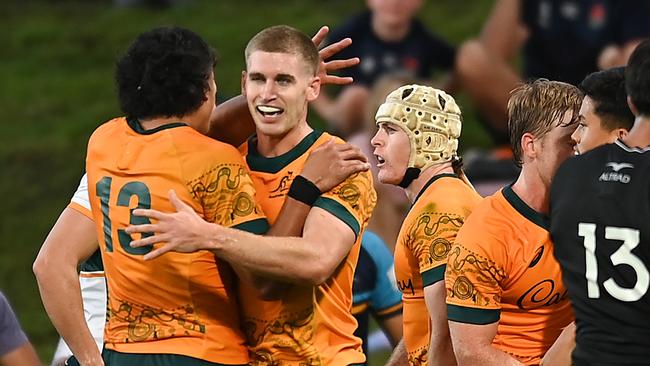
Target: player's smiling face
278,88
392,149
590,132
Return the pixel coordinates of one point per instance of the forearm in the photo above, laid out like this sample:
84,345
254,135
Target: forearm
291,219
231,121
290,222
326,107
560,353
61,295
399,356
287,259
484,355
24,355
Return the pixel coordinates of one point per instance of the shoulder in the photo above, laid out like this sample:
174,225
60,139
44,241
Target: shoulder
203,148
108,128
488,223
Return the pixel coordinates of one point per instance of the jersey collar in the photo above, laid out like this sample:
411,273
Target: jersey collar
623,146
526,211
135,125
430,182
259,163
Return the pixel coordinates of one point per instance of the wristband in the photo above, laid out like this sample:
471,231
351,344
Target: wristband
303,190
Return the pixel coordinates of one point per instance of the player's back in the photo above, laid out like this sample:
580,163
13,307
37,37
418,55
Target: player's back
600,212
178,303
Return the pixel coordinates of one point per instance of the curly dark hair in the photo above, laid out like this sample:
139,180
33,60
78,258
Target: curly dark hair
607,89
164,73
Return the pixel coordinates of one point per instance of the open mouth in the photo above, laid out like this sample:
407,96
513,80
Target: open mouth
269,111
380,160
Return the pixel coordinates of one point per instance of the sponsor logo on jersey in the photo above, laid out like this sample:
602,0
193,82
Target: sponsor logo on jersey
406,286
615,175
544,293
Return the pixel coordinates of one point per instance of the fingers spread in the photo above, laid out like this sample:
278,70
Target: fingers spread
157,252
334,48
150,240
145,228
340,64
319,37
337,80
152,214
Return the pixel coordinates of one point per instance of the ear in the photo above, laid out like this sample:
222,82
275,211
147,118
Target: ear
243,82
528,147
621,133
313,90
633,108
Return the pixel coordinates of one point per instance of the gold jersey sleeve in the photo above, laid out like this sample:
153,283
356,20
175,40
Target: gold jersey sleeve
423,244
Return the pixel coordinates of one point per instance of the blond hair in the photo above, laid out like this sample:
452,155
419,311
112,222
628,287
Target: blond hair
537,107
285,39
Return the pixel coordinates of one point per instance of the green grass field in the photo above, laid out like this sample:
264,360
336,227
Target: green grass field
56,70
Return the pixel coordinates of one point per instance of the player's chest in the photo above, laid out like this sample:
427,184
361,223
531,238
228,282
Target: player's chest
272,188
534,277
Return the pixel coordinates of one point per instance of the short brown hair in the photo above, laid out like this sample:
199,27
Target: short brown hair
535,108
285,39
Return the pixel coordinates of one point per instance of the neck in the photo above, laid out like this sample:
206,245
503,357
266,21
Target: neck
271,145
413,190
531,188
155,122
390,32
639,135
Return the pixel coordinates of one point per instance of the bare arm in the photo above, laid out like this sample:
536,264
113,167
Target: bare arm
440,350
307,260
71,241
24,355
616,55
399,357
393,328
504,33
473,345
327,166
560,353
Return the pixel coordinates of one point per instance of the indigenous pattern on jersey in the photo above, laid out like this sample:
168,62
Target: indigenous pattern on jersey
421,251
501,269
600,222
374,288
311,325
178,303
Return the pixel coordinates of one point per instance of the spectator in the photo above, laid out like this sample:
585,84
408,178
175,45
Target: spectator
387,38
561,40
15,349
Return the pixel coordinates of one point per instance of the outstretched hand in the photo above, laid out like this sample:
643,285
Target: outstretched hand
326,67
331,163
181,231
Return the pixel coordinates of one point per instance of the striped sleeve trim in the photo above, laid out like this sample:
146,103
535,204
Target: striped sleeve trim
338,210
390,311
257,226
433,275
468,315
81,209
359,308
